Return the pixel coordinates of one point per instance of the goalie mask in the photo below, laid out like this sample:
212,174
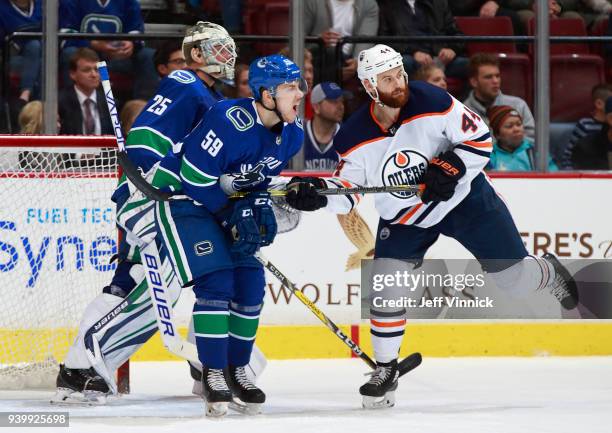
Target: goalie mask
217,47
376,60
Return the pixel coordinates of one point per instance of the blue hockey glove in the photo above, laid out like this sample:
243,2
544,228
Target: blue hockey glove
239,220
442,176
264,216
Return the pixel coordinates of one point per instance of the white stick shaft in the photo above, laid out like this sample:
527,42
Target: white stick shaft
111,104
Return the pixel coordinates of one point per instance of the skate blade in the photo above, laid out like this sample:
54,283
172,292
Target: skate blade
217,409
245,408
197,388
388,400
69,397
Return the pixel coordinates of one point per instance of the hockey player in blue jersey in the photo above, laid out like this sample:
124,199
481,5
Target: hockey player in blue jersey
415,133
180,103
211,238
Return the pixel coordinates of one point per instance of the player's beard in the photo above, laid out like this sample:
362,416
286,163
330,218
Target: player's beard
397,99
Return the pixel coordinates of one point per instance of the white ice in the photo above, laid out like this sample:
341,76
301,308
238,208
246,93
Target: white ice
443,395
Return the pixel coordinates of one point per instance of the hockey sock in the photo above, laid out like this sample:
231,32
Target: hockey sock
530,274
243,323
211,323
387,335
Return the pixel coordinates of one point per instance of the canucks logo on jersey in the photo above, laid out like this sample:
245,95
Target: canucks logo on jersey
405,167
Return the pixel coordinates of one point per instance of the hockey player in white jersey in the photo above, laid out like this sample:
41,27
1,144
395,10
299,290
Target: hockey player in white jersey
415,133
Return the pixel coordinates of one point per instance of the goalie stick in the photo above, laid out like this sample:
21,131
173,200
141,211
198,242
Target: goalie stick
172,341
162,303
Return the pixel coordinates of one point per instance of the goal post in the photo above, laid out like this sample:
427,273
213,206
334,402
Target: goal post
57,237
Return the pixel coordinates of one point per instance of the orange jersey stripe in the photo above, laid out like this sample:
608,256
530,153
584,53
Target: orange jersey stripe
478,143
411,212
388,324
360,145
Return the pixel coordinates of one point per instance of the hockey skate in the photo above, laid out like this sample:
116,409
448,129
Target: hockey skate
246,397
216,392
563,287
79,386
379,391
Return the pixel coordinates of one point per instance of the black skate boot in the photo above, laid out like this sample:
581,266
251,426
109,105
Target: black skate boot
247,397
80,386
379,391
216,392
563,287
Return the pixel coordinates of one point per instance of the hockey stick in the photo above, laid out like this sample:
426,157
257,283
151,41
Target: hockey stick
418,189
162,303
407,364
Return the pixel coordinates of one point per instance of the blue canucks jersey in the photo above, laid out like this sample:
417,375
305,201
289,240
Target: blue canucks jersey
100,16
13,19
181,101
230,140
318,156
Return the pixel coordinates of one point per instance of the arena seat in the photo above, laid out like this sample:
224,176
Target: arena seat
271,18
496,26
517,76
572,77
563,27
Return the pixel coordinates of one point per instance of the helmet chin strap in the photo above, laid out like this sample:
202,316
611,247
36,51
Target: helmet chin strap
274,110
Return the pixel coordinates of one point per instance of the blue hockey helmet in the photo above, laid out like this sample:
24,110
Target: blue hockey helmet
271,71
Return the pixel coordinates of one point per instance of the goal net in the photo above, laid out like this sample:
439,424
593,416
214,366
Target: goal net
57,237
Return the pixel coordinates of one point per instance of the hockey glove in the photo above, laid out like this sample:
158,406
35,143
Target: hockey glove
264,216
302,193
238,219
442,177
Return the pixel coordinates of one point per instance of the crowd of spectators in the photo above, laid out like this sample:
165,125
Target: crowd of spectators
81,102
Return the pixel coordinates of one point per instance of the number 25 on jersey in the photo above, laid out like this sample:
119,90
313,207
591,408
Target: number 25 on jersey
159,105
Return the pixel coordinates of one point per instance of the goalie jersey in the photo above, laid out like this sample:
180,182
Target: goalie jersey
181,101
230,140
431,122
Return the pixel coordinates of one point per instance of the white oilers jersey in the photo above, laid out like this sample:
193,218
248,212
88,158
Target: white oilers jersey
430,123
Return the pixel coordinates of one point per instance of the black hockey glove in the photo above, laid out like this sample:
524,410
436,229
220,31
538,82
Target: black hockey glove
442,176
302,193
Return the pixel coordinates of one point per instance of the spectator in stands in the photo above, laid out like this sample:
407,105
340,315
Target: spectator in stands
31,122
587,127
593,11
130,112
23,15
332,20
169,57
82,106
485,80
424,18
512,150
433,75
111,16
488,9
556,9
592,151
328,105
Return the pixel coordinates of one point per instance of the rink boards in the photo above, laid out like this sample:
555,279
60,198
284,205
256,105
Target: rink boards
564,214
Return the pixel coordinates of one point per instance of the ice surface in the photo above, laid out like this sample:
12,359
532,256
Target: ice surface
454,395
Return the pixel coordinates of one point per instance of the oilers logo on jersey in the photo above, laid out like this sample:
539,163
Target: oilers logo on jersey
405,167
